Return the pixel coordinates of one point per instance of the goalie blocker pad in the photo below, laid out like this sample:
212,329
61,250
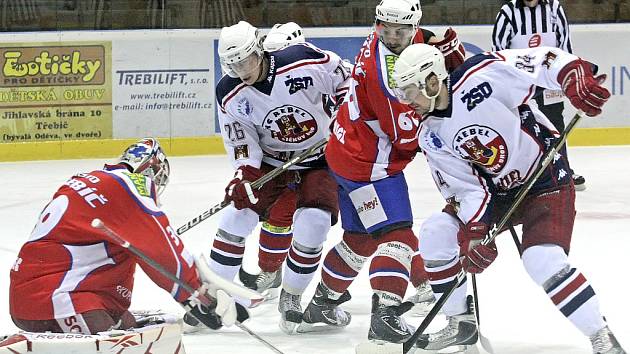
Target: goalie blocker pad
164,338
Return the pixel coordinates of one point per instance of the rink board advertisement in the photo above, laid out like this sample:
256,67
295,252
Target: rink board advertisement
84,94
55,91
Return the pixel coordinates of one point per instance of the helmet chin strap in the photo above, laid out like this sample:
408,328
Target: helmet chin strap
432,99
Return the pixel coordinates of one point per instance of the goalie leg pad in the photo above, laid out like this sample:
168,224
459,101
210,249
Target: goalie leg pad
164,338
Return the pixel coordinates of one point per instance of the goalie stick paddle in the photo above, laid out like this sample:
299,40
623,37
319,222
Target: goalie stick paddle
391,348
112,235
257,184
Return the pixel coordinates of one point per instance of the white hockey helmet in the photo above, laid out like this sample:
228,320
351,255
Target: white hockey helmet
405,12
414,65
240,49
237,42
146,157
283,35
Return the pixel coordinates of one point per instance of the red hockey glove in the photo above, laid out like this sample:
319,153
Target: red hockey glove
239,190
477,257
583,90
452,48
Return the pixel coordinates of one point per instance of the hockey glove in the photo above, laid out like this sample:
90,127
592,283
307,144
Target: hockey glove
452,49
239,191
582,88
477,257
216,310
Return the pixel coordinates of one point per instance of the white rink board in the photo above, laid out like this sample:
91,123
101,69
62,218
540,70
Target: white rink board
163,80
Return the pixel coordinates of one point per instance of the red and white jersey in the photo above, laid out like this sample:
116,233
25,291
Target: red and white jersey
374,135
286,113
486,141
67,267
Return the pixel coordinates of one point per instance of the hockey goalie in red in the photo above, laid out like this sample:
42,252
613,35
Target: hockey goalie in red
69,278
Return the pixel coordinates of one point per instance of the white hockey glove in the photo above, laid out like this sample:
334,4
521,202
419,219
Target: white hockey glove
214,308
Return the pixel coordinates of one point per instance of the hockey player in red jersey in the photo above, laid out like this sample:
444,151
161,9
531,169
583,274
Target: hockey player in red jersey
482,145
69,278
374,138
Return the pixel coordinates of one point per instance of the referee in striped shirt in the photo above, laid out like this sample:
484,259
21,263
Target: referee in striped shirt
534,23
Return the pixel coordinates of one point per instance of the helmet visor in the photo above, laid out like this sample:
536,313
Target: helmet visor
246,66
408,94
396,37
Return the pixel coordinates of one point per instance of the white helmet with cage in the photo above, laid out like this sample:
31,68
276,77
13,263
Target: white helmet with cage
146,157
412,69
237,44
283,35
404,12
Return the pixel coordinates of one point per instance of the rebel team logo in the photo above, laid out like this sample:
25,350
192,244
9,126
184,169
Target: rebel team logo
290,124
483,146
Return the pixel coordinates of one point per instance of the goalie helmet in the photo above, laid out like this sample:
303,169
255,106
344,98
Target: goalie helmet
405,12
283,35
146,157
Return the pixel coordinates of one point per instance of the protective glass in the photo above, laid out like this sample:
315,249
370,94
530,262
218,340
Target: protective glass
409,94
245,66
394,34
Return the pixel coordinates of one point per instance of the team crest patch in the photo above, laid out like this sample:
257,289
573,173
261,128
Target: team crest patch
483,146
431,141
290,124
243,107
241,152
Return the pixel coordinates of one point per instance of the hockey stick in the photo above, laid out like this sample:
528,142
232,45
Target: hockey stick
517,242
112,235
257,184
392,348
485,343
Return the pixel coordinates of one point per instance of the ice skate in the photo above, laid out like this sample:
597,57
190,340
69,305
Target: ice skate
459,336
604,342
422,300
290,311
387,324
266,283
323,313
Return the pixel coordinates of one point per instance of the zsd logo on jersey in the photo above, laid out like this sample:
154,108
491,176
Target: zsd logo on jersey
290,124
482,145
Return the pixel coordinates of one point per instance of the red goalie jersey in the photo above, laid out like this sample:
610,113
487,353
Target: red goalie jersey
374,135
67,267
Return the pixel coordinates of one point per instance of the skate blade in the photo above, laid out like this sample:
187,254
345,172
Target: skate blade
467,349
378,347
317,327
270,294
421,309
288,327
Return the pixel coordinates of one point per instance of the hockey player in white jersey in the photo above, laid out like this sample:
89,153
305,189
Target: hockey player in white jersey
482,144
270,108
